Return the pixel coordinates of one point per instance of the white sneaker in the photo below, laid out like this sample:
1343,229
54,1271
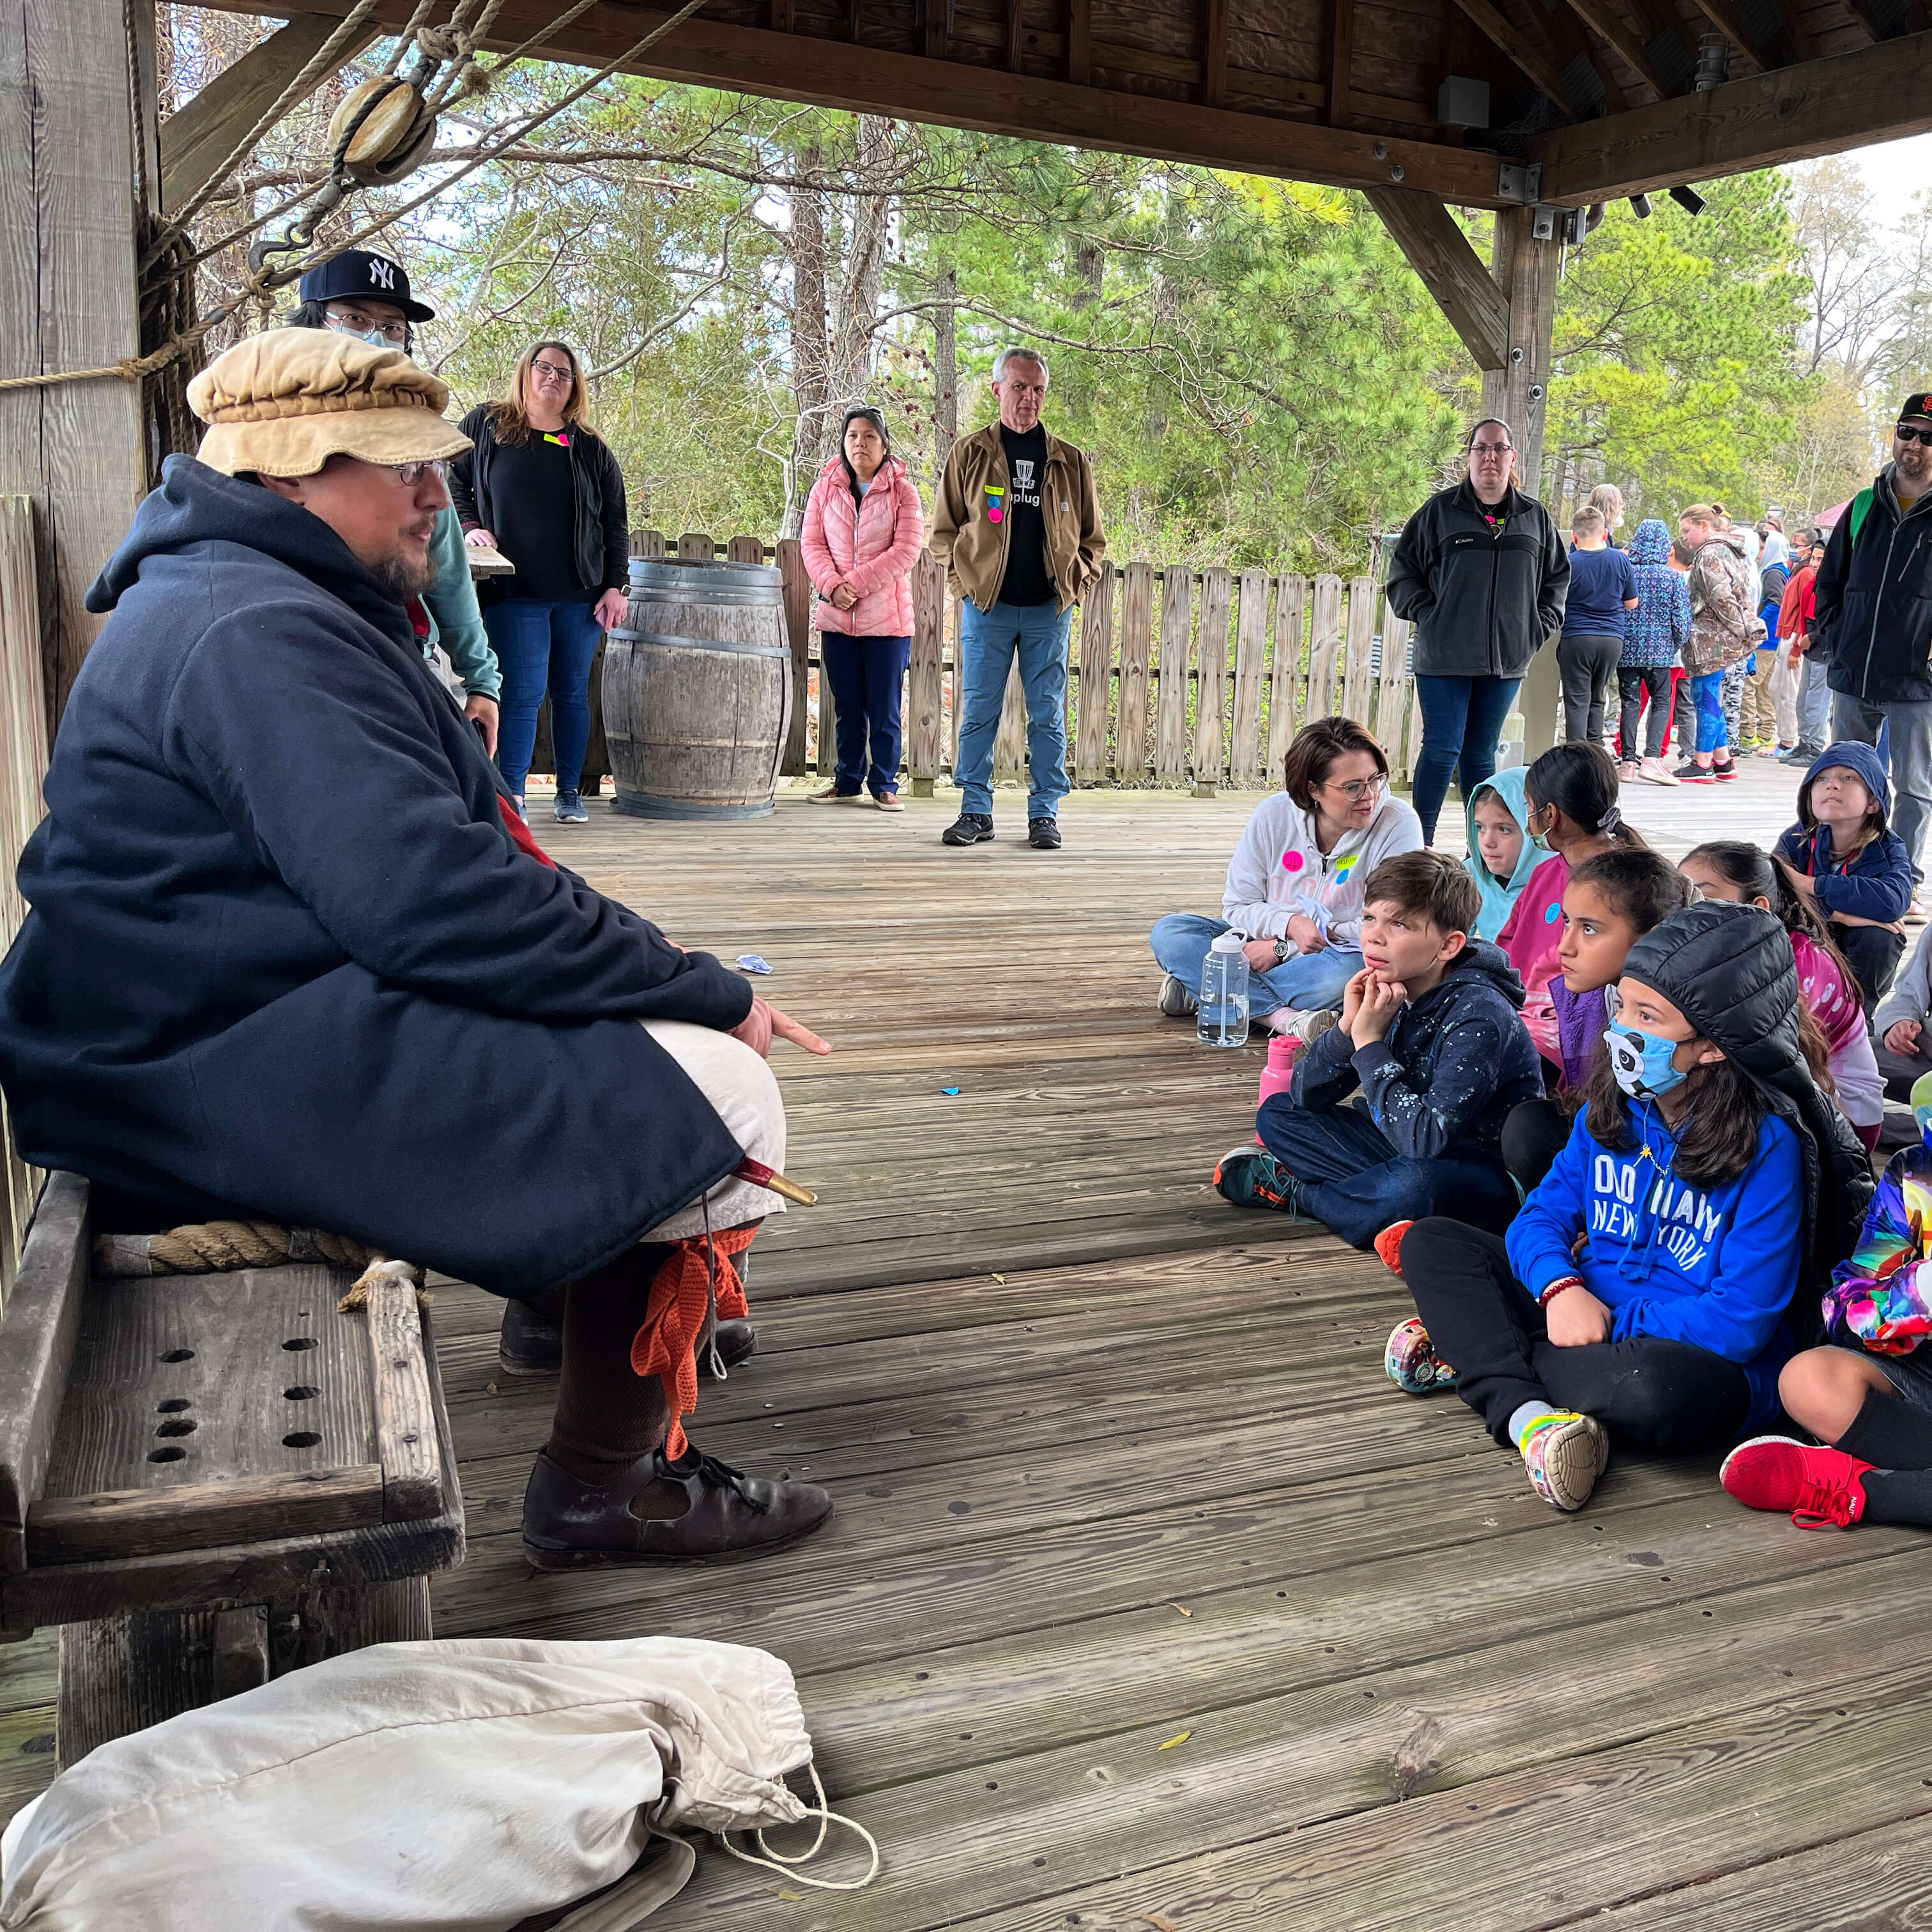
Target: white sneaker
1653,772
1627,770
1294,1023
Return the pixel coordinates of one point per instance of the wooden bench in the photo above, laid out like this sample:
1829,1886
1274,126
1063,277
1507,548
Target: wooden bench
208,1479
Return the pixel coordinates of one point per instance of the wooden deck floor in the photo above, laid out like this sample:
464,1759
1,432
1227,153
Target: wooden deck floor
1149,1602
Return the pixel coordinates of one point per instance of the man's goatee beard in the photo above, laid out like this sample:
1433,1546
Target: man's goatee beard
405,579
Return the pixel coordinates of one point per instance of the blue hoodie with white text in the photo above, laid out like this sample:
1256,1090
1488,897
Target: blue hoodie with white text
1716,1267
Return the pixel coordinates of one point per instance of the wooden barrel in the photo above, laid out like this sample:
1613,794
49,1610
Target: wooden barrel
698,691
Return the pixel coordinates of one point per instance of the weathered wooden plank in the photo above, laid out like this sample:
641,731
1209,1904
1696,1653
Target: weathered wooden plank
649,544
1130,763
1450,269
405,1412
924,709
1251,627
1177,609
1361,680
1210,696
1010,741
1096,678
796,582
1285,691
1324,646
696,546
744,549
1392,693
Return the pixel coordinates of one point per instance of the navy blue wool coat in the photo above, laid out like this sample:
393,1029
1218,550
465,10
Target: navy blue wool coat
282,956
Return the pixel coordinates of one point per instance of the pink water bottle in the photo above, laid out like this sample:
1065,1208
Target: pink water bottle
1280,1071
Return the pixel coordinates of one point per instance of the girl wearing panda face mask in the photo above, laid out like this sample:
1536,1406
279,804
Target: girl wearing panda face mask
1645,1293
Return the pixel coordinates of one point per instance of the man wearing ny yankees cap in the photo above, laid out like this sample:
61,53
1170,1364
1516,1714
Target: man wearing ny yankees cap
1874,619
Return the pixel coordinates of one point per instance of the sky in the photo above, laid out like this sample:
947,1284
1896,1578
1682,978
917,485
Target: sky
1897,171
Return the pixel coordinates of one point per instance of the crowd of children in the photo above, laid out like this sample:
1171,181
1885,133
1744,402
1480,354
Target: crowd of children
1611,1120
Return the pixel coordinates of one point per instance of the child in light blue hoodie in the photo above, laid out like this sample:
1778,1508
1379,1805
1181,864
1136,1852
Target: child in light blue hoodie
1503,852
1642,1291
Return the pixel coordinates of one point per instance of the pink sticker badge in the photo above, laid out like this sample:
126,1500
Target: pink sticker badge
1292,862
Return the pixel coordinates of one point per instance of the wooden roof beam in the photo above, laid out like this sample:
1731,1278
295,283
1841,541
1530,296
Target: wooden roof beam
1879,93
834,73
1451,269
1600,18
1534,62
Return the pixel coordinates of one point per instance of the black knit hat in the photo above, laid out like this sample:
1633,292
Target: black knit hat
1729,971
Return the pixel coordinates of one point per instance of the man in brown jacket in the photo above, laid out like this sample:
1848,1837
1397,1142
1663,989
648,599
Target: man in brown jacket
1017,524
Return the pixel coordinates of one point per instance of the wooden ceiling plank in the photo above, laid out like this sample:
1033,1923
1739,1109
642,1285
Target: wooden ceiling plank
1600,18
1016,29
1450,270
1214,54
822,70
782,16
1729,21
1080,42
1341,25
1879,93
1531,59
1866,18
1803,42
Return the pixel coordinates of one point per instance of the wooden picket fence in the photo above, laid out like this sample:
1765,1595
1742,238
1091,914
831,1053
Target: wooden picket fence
1179,679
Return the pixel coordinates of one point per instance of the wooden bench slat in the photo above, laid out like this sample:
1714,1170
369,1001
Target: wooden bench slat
247,1509
406,1432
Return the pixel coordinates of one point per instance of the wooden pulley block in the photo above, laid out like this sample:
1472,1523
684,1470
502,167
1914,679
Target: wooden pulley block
388,129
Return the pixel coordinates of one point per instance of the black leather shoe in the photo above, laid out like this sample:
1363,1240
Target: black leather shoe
700,1508
735,1341
1043,834
532,1341
970,828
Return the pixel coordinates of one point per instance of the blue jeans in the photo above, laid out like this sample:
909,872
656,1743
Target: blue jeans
1307,981
1707,693
1462,723
543,647
868,677
987,641
1903,732
1352,1178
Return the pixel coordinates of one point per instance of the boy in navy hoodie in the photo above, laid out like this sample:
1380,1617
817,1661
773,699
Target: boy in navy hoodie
1431,1029
1849,864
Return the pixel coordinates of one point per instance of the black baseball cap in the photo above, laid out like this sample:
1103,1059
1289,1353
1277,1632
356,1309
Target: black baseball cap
1917,408
356,272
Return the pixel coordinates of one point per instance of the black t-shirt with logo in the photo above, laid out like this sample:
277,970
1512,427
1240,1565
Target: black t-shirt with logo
1027,580
534,502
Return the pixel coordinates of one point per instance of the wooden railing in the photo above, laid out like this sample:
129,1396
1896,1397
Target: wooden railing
23,764
1178,679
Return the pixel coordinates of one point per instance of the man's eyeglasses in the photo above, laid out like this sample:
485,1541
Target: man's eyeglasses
556,374
358,322
1357,789
1905,435
409,475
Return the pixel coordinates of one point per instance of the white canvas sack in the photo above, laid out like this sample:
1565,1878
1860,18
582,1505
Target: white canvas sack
454,1786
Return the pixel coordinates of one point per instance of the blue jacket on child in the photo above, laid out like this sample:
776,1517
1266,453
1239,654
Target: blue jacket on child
1716,1267
1876,883
1444,1076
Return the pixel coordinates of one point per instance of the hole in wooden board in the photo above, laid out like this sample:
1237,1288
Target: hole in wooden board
302,1439
180,1426
166,1455
173,1405
178,1355
301,1392
299,1342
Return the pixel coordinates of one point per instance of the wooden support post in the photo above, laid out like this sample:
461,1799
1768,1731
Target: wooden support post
1080,42
1214,55
796,585
67,302
1518,394
1451,269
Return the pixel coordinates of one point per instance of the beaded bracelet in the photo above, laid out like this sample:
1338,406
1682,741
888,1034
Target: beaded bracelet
1557,1287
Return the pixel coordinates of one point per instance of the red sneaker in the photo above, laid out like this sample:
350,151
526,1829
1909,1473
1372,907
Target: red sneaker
1388,1245
1821,1488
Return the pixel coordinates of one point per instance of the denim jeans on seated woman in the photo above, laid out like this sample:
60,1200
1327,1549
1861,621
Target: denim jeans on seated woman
543,647
1302,983
1462,723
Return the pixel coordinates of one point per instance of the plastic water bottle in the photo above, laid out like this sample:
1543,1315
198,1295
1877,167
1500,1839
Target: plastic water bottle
1223,1020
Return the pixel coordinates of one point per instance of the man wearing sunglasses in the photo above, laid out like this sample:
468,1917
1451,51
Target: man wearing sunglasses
1874,619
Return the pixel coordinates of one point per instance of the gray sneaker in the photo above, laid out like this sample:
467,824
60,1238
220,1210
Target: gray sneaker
1306,1025
570,809
1177,1000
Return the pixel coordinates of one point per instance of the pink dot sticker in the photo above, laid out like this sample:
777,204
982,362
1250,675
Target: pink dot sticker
993,516
1291,862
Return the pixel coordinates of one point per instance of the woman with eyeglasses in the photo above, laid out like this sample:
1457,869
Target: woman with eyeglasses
1482,574
368,296
1293,888
543,487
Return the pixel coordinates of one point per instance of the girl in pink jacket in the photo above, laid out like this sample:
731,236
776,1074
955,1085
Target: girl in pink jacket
863,532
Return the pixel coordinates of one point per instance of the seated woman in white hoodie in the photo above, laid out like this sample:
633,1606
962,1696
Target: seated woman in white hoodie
1294,884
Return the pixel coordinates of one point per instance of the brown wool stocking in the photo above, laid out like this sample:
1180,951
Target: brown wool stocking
607,1415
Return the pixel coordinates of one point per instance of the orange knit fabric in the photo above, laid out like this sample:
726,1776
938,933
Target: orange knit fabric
680,1294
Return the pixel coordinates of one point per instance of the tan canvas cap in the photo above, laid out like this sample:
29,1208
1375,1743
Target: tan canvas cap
283,402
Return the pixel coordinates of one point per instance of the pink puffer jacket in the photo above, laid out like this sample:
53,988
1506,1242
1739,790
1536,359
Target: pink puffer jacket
870,546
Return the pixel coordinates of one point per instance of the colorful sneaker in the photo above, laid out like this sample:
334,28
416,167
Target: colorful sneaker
1565,1453
1252,1177
1388,1247
1691,773
1821,1488
1413,1365
1728,770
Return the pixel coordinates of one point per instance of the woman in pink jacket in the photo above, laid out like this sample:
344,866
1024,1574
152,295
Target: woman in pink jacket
863,532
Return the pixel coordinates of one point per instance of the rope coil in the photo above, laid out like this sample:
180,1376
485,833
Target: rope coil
222,1247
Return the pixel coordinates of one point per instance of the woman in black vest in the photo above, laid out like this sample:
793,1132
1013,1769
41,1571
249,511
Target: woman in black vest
543,487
